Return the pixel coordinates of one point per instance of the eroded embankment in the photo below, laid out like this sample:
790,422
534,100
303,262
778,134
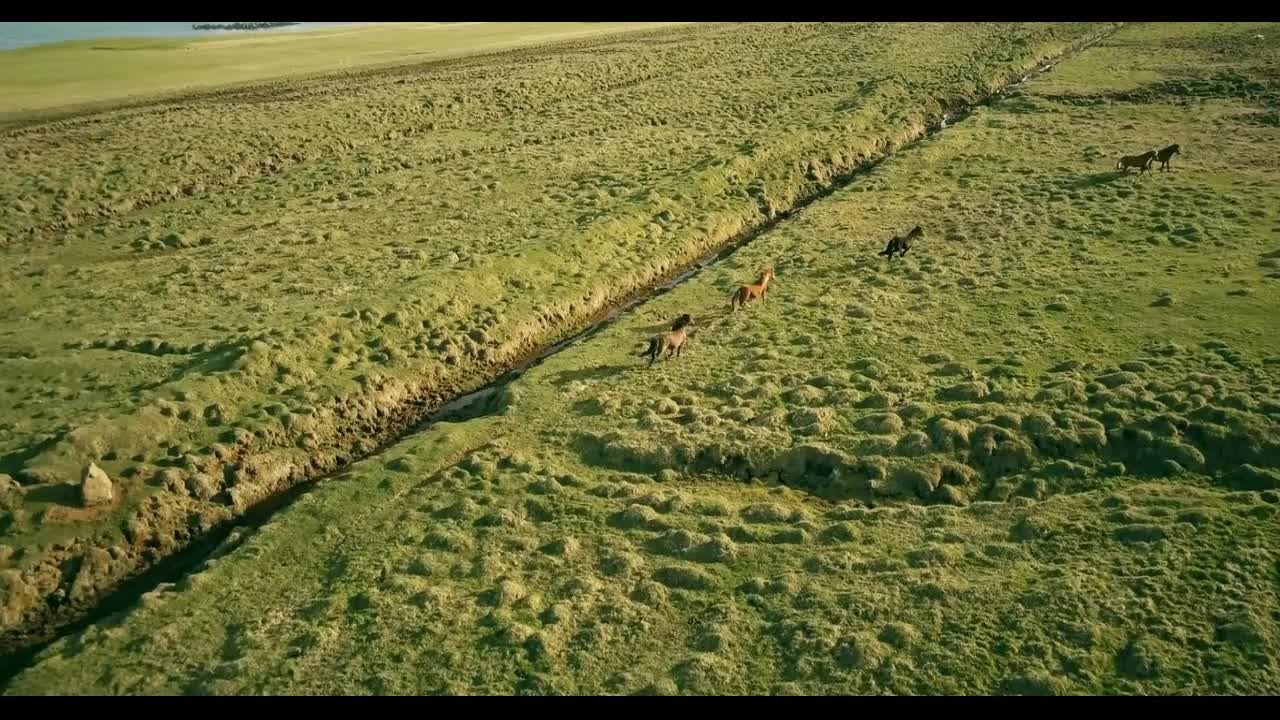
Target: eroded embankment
77,580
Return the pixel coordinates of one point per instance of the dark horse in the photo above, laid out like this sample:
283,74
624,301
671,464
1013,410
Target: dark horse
670,342
900,244
1142,162
1165,155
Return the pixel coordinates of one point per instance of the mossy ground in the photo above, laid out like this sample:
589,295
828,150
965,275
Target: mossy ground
216,296
1001,464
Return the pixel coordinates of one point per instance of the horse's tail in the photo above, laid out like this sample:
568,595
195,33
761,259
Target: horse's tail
648,350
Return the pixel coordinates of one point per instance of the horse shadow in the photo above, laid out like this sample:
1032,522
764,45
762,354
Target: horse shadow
1096,179
564,377
699,321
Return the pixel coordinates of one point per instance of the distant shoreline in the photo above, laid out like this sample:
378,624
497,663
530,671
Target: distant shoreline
88,76
26,36
241,25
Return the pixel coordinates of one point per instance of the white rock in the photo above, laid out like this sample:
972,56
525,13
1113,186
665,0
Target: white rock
95,487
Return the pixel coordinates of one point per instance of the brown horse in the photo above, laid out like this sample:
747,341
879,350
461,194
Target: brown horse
751,292
671,342
1143,161
1165,155
901,243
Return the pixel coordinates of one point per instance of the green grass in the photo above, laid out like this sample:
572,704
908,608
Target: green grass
280,277
111,70
751,517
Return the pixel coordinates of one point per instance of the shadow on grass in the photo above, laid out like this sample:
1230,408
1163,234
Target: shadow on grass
1096,179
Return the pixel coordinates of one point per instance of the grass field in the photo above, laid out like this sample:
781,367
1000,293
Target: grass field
1037,455
52,78
282,278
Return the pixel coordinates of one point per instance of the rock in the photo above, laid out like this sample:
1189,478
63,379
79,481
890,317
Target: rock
95,487
16,595
10,492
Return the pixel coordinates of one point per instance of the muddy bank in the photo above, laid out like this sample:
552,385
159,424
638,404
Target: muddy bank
74,579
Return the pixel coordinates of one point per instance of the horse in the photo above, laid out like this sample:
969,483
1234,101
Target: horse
901,244
753,291
1165,155
671,342
1143,161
